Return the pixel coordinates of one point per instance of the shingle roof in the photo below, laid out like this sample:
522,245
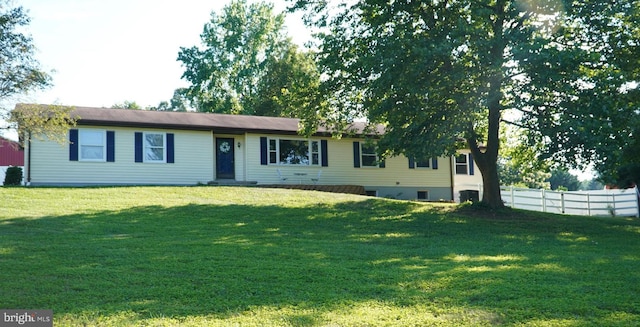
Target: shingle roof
190,121
181,120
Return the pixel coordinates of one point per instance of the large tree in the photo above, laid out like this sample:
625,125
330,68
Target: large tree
436,72
289,88
591,113
19,70
179,102
562,179
20,73
246,64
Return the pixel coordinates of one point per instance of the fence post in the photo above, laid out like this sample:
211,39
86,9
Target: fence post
613,199
513,203
637,198
562,201
588,205
544,201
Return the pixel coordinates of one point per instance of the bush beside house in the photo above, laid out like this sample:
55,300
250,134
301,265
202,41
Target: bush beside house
11,155
13,176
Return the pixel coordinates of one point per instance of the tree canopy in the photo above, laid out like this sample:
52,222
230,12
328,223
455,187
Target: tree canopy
247,65
625,170
561,179
289,87
127,104
591,108
179,102
20,73
49,122
520,164
436,72
19,70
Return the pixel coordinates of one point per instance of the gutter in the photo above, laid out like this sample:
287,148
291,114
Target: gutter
29,160
451,179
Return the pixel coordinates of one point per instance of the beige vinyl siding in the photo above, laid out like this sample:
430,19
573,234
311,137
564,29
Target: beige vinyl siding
240,155
341,170
193,152
463,182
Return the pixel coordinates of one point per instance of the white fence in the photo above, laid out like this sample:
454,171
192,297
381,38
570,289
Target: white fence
585,203
623,203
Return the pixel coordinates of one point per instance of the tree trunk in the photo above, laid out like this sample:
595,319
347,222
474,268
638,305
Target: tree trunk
487,160
487,163
491,195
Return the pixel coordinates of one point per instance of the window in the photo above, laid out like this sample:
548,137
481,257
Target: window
294,152
461,164
315,153
423,195
369,156
371,193
273,151
92,145
154,147
423,163
364,155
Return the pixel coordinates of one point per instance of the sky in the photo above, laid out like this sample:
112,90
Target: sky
101,53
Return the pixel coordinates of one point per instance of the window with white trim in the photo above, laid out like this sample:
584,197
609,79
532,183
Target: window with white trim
368,155
462,164
154,147
92,145
294,152
315,152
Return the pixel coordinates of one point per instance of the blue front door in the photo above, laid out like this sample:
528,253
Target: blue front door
224,159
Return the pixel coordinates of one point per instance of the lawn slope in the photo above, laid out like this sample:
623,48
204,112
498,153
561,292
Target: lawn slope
202,256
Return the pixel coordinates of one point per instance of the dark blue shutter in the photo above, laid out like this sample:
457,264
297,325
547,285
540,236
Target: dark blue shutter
324,153
381,164
412,163
356,154
434,163
264,153
73,145
138,147
111,146
470,164
170,146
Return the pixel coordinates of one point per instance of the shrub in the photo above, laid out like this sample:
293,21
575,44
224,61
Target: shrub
13,176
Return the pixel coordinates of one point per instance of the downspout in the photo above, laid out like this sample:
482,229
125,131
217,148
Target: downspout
451,178
214,159
29,159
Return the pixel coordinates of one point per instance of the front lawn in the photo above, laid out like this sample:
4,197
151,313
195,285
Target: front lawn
201,256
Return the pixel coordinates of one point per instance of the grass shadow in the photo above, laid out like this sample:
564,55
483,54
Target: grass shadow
226,260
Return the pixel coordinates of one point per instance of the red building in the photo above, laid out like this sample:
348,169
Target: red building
11,153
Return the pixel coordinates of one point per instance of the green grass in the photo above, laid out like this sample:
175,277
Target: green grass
201,256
